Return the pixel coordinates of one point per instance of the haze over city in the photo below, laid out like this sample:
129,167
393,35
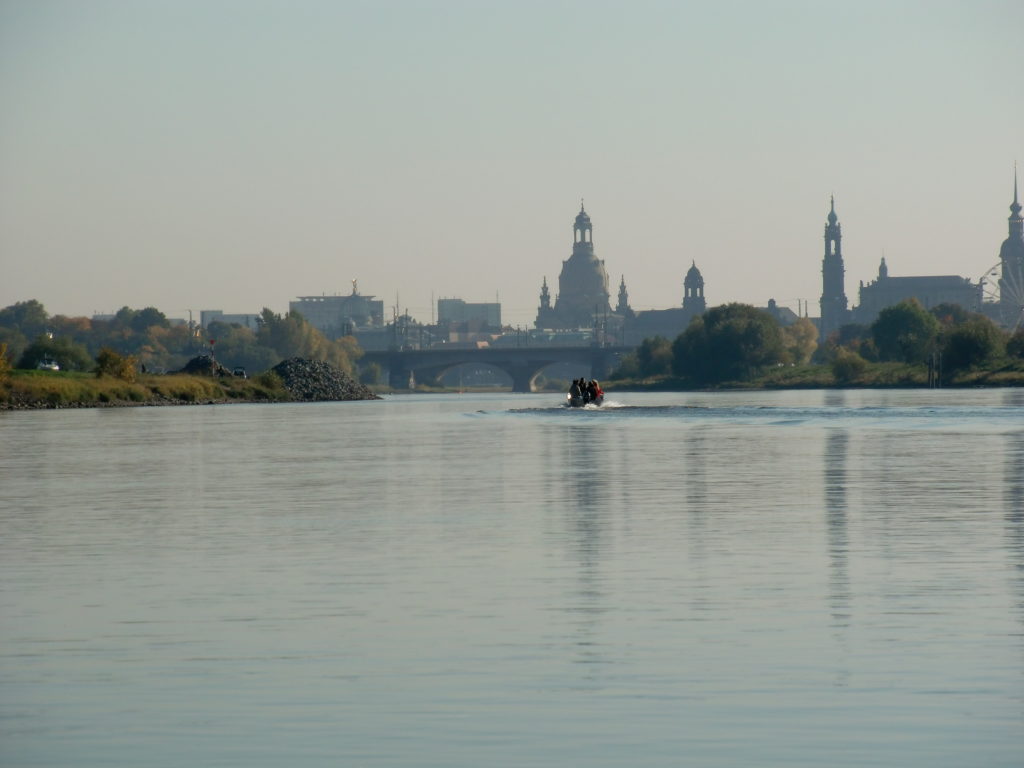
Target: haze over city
236,155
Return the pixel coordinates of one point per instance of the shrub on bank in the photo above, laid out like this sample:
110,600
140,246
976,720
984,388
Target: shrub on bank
109,363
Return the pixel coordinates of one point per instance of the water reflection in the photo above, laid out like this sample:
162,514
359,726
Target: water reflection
576,485
835,491
698,501
1013,495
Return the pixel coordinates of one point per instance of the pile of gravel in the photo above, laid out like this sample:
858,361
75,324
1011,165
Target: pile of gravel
309,380
204,365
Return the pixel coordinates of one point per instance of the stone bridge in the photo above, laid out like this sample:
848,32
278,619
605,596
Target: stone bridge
523,364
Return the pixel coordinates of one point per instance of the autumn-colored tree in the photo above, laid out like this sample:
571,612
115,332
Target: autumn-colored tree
800,340
292,335
847,365
110,363
5,364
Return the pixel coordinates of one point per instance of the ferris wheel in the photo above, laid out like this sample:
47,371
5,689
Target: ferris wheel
1003,292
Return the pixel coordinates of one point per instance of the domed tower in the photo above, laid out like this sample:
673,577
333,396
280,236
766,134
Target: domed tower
1011,264
583,283
833,294
693,290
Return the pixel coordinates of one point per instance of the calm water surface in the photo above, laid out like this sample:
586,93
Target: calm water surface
783,579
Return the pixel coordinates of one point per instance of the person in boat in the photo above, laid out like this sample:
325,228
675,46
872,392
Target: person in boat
594,391
574,391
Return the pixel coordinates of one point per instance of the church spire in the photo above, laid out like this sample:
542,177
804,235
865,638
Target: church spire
1015,206
622,308
833,293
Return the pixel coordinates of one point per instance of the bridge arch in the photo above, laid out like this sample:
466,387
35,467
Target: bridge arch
522,364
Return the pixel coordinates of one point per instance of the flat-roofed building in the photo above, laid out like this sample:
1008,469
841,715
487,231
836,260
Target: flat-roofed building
207,316
475,315
337,316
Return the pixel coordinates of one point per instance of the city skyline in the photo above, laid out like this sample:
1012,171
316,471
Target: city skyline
238,155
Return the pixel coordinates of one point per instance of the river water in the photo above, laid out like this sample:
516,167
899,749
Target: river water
726,579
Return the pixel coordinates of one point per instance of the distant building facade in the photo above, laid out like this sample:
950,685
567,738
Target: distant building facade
834,306
930,290
476,315
667,323
207,316
583,297
337,316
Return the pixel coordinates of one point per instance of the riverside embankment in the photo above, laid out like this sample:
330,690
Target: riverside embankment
294,380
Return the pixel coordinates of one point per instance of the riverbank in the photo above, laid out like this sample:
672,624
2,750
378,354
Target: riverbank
873,376
302,381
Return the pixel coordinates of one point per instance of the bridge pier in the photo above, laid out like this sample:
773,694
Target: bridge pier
522,377
400,377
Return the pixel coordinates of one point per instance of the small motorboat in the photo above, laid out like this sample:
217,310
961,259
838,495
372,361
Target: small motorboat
581,402
581,394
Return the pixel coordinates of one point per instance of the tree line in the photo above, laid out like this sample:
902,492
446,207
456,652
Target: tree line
29,335
738,342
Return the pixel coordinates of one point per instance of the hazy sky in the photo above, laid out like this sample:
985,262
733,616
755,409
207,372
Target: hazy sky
235,154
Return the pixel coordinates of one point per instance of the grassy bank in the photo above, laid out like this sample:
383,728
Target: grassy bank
64,389
874,376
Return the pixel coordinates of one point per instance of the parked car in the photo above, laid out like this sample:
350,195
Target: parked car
239,372
48,364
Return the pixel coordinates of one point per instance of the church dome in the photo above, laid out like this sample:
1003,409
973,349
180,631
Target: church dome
693,276
582,218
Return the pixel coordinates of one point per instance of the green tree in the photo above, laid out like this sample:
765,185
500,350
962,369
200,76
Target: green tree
654,357
627,368
27,317
727,343
370,374
974,342
15,341
1015,345
905,332
238,347
949,314
146,318
125,317
70,355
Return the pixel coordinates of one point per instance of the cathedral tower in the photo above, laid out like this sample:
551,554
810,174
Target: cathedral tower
693,291
1011,265
623,308
582,285
833,294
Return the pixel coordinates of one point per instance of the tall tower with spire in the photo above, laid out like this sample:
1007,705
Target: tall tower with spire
834,309
1011,265
623,308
